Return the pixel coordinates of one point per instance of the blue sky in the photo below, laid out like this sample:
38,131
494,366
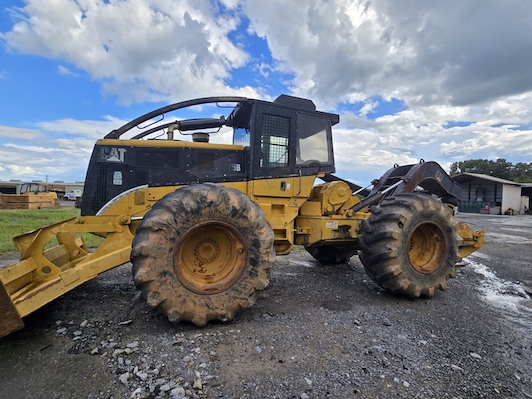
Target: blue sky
442,80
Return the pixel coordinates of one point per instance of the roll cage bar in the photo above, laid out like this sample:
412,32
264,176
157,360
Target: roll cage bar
191,124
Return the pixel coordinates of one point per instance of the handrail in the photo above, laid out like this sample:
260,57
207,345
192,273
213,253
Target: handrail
115,134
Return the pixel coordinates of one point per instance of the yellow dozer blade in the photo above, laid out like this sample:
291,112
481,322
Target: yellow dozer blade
471,240
42,275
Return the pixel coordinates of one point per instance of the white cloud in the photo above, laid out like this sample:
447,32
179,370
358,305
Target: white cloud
367,108
368,148
58,149
48,160
422,52
141,50
447,63
231,4
491,142
19,133
87,128
65,71
18,170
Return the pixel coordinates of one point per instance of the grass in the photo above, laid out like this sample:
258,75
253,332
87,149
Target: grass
16,222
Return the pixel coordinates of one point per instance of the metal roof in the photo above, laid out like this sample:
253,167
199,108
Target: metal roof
463,177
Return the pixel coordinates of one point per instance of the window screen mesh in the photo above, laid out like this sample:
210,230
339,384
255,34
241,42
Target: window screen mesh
274,141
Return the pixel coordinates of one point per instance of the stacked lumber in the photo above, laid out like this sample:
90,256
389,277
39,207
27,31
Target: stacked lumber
28,201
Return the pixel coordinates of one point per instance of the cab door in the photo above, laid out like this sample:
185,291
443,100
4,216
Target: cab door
273,156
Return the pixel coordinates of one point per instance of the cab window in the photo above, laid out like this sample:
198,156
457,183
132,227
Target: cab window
313,144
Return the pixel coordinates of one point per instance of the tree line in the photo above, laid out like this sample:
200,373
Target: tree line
520,172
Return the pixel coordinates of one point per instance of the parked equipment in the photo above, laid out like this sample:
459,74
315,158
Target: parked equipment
32,196
202,222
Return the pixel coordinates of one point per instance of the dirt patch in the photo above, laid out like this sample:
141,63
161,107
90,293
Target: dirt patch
317,331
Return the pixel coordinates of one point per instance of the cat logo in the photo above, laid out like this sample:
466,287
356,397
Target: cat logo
113,154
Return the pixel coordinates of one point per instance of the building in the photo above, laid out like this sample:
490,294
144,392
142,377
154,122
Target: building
526,190
21,186
485,193
526,196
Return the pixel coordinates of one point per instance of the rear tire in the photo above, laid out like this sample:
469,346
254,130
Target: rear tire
202,253
409,244
331,255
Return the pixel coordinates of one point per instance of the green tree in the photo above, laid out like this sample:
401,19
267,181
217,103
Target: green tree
501,168
480,166
520,172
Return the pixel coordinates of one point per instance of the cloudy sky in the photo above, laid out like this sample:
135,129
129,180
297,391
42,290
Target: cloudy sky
442,80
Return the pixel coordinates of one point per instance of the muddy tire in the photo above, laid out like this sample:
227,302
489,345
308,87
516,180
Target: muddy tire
409,244
202,253
331,255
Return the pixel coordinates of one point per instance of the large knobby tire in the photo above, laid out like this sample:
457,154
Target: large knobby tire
331,254
202,253
409,244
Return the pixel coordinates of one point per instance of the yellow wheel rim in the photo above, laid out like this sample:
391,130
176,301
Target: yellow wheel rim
427,248
210,257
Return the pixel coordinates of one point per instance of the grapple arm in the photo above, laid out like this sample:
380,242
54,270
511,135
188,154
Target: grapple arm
432,178
428,175
42,275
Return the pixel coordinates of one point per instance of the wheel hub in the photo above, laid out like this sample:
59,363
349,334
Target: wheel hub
206,251
210,257
427,247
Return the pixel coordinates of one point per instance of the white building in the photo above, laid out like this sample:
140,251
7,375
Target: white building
500,196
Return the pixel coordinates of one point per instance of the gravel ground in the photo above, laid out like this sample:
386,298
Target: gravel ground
316,332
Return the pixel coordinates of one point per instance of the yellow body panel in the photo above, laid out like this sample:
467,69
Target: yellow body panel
471,239
281,206
43,275
298,212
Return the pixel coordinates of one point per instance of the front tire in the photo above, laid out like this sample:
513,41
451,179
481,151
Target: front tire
202,253
409,244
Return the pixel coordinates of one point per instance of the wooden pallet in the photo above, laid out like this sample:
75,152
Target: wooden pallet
28,201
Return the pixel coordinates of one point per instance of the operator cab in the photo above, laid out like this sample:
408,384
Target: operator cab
287,136
279,139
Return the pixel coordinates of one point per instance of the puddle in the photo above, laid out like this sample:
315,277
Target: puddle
508,297
301,263
514,229
518,221
480,255
507,239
